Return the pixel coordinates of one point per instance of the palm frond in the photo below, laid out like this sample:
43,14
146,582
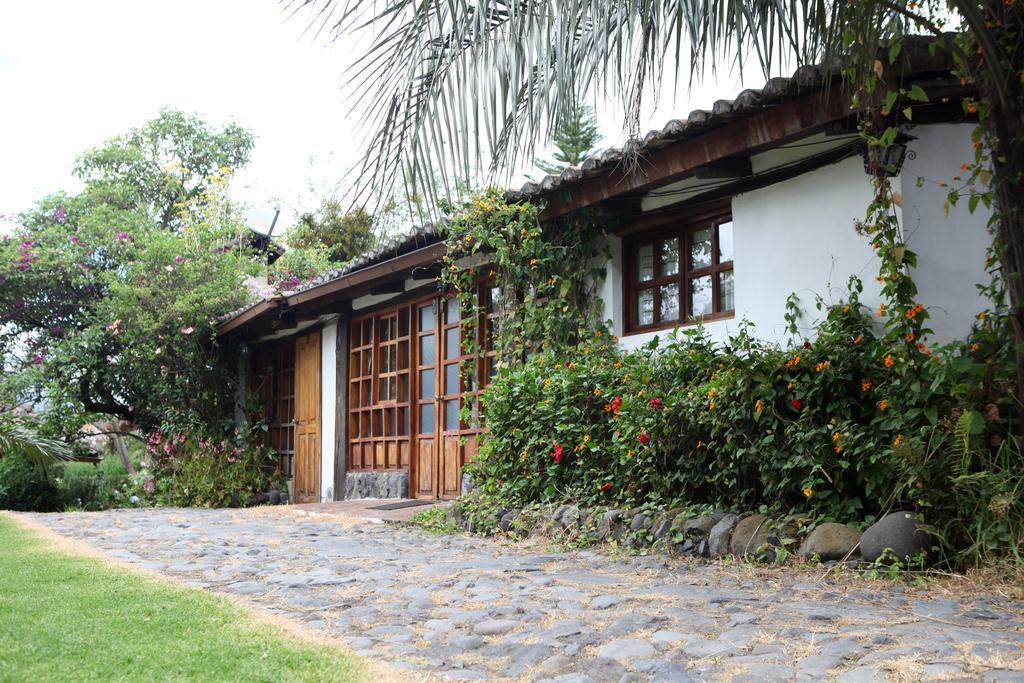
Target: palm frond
18,439
467,90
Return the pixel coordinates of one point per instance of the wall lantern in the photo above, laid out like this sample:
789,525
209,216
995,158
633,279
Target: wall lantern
890,158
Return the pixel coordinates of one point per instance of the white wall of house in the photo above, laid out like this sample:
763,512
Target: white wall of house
328,407
798,236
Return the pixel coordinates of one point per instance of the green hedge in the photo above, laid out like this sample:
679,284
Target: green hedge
844,425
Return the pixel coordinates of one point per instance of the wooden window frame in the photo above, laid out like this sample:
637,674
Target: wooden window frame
667,227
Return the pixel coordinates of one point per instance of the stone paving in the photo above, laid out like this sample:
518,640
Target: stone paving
467,608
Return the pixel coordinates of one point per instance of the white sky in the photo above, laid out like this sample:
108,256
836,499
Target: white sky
74,73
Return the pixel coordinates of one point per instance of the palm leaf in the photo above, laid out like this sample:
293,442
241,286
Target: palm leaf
466,90
17,439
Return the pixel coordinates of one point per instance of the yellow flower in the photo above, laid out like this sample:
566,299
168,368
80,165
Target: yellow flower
533,262
808,492
586,438
618,363
629,454
897,441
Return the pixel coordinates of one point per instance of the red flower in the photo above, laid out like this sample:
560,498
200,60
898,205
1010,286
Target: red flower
655,402
557,453
643,438
797,404
616,404
807,344
606,486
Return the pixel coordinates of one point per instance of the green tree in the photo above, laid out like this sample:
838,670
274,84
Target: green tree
106,311
343,234
575,137
163,165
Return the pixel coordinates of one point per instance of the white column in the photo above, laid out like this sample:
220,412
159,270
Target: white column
328,401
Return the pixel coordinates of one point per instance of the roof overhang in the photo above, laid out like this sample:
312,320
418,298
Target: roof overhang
264,316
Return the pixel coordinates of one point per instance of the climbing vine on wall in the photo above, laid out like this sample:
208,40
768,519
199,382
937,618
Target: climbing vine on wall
545,277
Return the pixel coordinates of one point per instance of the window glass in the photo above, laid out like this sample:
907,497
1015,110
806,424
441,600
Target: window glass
700,249
645,307
451,378
668,257
725,242
725,291
427,349
427,384
427,418
669,302
451,414
451,343
700,296
645,262
427,318
452,314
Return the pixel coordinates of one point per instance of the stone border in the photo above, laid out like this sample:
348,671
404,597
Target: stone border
714,535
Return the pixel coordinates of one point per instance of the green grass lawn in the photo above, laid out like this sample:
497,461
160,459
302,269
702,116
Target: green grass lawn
70,618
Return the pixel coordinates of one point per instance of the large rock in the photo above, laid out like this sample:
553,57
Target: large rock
756,535
830,541
609,526
721,534
898,531
701,526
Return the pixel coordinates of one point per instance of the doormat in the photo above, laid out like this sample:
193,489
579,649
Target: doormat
403,504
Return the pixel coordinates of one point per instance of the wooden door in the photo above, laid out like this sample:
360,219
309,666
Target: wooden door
307,418
450,401
425,471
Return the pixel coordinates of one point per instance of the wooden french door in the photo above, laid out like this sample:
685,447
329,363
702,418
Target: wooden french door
307,418
447,381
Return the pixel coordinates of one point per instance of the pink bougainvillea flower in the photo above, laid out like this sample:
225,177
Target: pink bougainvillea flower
122,236
115,327
179,259
187,330
643,438
37,359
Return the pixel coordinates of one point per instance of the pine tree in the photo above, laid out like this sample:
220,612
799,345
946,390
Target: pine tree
575,137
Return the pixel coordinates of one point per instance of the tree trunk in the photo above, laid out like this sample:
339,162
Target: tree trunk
122,449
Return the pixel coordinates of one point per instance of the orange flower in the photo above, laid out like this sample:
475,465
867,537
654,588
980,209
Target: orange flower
711,406
792,362
923,349
846,309
808,492
909,336
838,448
711,392
974,347
758,406
881,310
858,340
963,167
597,392
883,405
889,362
607,408
865,384
835,436
897,440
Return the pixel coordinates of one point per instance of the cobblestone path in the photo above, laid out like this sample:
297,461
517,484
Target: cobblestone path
466,608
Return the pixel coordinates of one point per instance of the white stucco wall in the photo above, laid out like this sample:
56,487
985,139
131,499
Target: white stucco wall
950,250
798,236
328,407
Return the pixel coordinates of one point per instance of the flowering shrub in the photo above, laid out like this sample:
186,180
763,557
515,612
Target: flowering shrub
843,426
206,472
